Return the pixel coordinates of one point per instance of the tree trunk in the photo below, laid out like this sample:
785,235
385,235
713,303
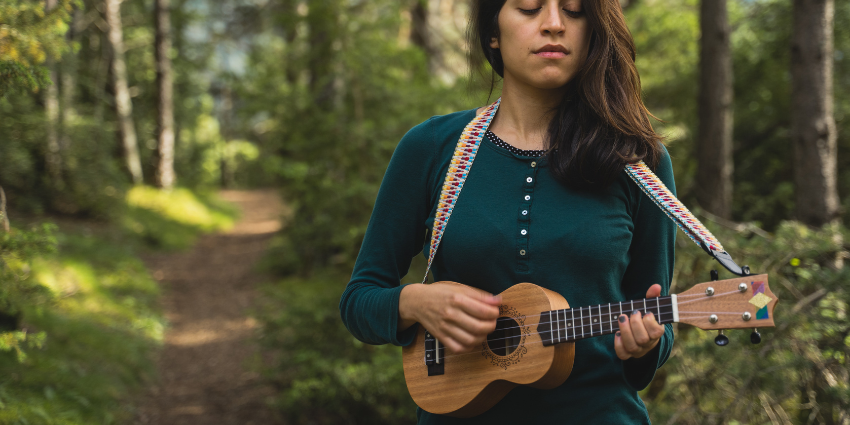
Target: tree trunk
69,83
165,105
123,104
714,138
322,22
813,128
53,158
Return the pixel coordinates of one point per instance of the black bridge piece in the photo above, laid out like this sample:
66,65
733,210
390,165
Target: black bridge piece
434,357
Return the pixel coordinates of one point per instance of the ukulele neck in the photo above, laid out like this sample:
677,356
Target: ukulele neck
573,324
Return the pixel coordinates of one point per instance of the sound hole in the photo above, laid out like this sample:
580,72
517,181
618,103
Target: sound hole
505,339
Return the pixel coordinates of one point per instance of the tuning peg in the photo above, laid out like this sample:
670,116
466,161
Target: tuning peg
714,275
746,270
721,340
755,337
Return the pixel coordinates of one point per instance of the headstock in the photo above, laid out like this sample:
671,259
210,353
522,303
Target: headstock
721,304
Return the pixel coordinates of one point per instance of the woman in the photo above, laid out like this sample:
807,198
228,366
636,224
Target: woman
547,202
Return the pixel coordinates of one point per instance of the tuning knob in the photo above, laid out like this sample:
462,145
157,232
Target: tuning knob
714,275
721,340
755,337
746,270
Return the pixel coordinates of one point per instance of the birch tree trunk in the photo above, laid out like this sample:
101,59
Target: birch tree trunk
714,138
53,158
123,104
165,106
813,127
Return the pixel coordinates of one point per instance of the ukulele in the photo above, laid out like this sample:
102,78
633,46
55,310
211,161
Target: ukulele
534,340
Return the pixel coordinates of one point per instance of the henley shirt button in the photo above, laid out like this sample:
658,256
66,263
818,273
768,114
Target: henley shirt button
522,252
533,164
527,197
524,212
523,232
529,180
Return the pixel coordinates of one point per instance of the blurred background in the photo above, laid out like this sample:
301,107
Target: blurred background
185,185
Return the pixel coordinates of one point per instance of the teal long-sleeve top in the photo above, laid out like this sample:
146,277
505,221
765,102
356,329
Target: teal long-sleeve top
513,222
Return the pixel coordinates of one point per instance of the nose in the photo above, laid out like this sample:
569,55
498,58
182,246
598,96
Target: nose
552,20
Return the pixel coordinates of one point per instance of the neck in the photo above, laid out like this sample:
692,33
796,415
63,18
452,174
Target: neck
584,322
524,114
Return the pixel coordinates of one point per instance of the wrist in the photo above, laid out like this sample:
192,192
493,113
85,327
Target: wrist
407,312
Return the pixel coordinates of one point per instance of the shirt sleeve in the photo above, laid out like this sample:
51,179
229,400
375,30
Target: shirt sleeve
395,234
651,261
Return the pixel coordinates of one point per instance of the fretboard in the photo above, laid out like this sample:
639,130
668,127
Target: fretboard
585,322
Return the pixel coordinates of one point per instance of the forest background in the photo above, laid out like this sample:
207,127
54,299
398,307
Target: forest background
127,116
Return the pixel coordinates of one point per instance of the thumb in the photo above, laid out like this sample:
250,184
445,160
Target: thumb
654,291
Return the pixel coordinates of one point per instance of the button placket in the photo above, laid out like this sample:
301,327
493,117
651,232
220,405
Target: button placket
524,217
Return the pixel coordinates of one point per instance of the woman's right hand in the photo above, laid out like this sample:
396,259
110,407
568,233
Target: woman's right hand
459,316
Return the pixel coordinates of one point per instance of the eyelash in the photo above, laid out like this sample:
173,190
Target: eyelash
571,13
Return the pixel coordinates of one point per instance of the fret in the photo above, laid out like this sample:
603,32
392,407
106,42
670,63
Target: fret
573,323
581,318
658,309
618,317
599,307
608,318
562,329
558,324
644,307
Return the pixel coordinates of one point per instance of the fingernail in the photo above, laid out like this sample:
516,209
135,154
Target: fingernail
618,333
636,312
649,314
622,318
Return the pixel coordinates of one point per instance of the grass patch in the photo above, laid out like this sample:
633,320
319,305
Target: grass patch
174,219
326,376
102,327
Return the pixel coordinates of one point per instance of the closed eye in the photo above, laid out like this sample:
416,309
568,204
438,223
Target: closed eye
574,14
530,11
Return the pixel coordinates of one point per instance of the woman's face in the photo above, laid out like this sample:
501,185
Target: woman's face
543,42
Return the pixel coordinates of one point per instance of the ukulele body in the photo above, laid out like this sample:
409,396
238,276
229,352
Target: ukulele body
467,384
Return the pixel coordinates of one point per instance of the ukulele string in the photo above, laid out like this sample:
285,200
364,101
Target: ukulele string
592,332
610,323
541,341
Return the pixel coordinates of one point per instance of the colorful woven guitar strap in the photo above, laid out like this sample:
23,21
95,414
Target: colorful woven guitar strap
649,183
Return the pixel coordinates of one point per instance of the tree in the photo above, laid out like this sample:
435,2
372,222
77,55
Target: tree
714,138
812,121
165,105
123,104
52,156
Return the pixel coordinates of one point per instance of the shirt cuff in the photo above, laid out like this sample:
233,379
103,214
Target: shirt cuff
405,337
638,373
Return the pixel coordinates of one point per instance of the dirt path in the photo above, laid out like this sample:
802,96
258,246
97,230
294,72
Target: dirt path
204,373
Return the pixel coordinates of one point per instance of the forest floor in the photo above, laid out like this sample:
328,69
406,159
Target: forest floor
207,372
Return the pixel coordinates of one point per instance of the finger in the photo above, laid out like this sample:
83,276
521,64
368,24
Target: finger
619,349
459,339
626,334
638,329
476,308
481,295
653,291
653,329
471,325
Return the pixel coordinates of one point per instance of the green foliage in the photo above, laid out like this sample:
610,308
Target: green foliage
666,34
329,136
173,219
326,375
102,324
799,370
28,35
17,288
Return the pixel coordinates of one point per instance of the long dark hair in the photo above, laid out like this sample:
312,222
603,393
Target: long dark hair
602,123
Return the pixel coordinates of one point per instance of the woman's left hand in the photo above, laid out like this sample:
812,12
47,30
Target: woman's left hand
638,335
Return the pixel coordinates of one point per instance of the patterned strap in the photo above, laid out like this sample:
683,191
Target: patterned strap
467,148
649,183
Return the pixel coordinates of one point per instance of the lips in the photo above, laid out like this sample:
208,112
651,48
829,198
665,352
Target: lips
552,51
